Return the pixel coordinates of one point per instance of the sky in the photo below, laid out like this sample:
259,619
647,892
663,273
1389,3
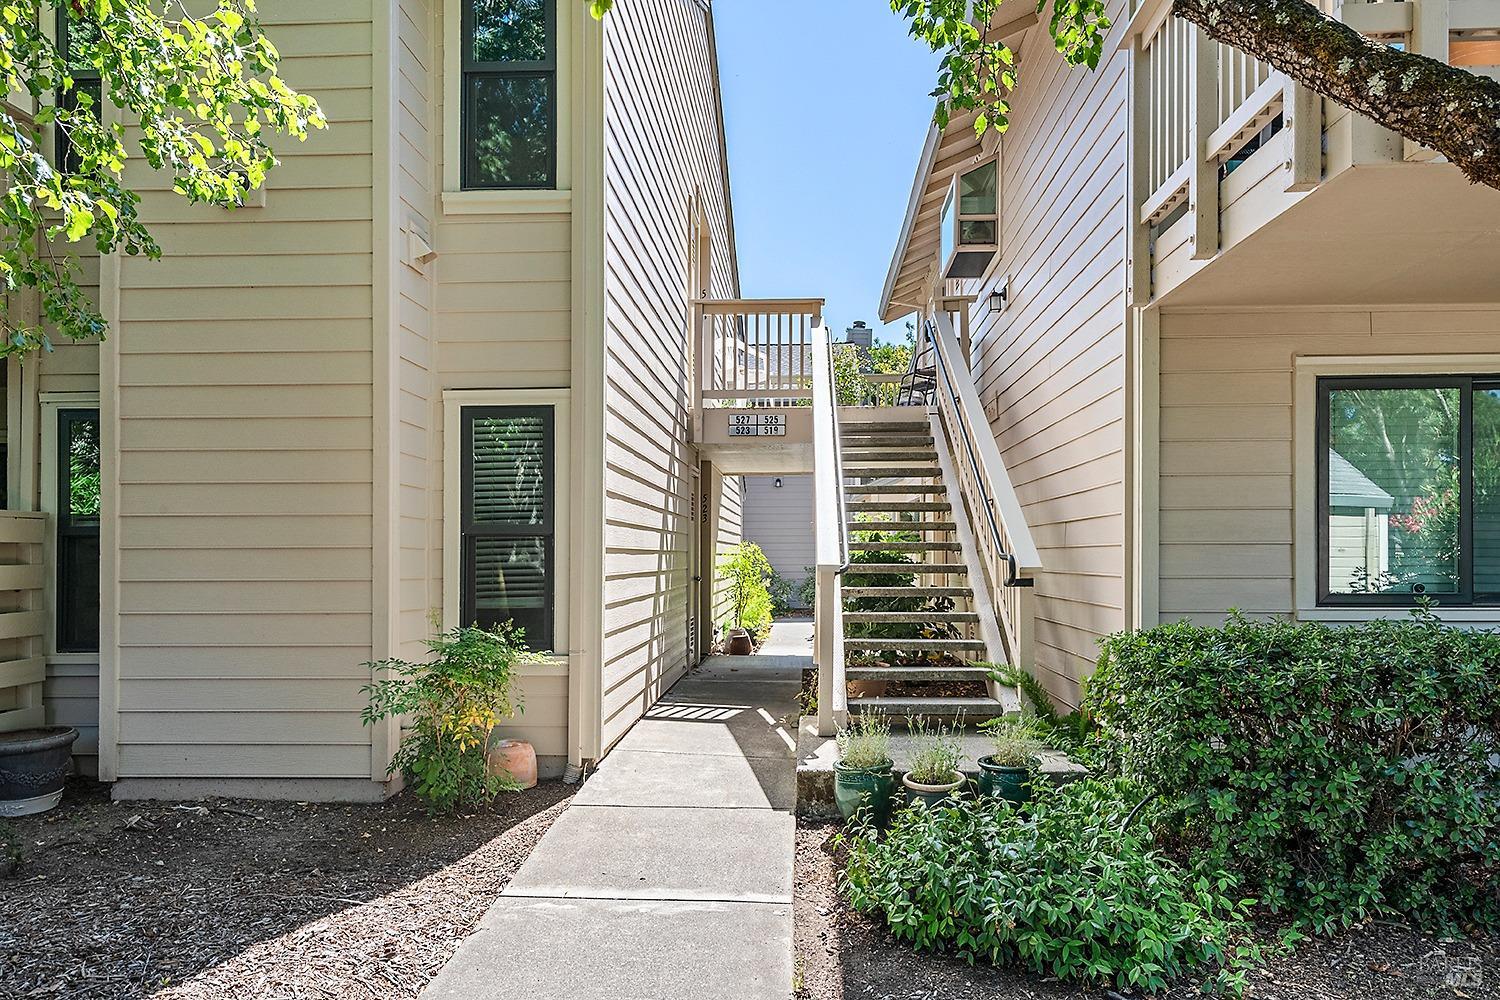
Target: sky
826,108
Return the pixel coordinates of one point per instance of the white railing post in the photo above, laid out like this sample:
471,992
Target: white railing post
828,626
1203,118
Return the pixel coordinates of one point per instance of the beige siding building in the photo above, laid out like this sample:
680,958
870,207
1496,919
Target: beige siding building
306,413
1200,300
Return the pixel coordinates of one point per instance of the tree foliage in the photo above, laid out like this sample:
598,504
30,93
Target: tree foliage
196,96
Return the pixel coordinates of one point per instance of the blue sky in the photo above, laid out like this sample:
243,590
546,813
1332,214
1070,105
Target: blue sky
826,108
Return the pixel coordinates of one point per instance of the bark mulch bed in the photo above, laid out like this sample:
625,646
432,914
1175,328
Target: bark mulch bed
841,955
229,899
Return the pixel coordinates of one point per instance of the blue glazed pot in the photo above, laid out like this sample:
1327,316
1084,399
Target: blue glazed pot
1010,783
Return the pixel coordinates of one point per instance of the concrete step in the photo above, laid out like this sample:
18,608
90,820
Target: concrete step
888,456
905,546
917,645
853,440
917,675
913,617
899,489
913,471
923,569
851,593
923,526
884,426
930,709
897,506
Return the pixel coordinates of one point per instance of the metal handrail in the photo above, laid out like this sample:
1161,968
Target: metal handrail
1012,569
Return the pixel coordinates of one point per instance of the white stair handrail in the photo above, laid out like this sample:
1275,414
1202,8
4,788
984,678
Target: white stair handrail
831,539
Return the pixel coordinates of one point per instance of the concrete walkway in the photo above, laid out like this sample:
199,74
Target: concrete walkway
670,875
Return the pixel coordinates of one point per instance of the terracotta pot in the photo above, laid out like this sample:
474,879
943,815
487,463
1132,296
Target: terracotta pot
867,689
739,643
516,758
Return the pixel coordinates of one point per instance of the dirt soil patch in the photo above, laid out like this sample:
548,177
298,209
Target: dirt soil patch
229,899
843,955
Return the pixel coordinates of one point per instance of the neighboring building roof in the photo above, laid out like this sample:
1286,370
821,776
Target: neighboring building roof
1348,487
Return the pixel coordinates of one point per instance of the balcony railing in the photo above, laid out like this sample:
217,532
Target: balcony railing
756,352
1201,108
23,620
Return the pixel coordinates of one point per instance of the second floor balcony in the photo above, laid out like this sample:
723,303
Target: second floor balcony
1231,160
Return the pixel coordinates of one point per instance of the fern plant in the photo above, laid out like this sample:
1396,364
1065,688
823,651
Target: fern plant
454,701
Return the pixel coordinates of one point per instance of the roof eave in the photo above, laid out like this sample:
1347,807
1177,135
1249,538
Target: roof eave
890,311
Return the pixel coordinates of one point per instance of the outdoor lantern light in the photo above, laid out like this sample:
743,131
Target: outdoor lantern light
971,221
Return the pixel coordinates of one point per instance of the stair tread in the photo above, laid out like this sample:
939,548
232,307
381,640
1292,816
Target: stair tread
872,489
917,674
855,440
884,426
921,526
923,645
888,471
905,546
928,569
882,592
912,617
969,708
897,506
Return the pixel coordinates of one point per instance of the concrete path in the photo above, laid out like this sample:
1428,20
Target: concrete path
670,875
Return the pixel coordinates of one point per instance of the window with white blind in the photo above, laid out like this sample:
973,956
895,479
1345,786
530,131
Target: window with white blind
509,527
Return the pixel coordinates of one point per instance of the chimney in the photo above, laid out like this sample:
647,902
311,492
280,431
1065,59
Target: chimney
860,335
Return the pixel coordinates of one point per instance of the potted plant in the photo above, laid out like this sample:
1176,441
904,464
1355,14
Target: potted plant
453,703
748,572
33,767
1015,754
936,771
864,775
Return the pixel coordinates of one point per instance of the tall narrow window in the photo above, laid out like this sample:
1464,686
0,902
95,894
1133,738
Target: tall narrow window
86,90
509,484
1409,473
78,507
509,94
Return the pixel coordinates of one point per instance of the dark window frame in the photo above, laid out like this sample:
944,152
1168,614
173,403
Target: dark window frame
1466,597
473,70
471,530
67,530
82,76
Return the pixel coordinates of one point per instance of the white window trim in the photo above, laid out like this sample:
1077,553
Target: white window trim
454,402
457,201
50,404
1305,476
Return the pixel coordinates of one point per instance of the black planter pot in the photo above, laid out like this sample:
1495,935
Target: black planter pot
33,767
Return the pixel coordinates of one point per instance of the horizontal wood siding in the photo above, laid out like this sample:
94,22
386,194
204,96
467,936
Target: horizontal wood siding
1050,367
244,492
662,141
780,521
1227,431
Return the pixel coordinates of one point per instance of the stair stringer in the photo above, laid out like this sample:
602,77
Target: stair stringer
982,601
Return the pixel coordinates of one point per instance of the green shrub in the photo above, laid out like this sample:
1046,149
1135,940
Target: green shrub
454,702
893,631
1343,773
747,571
1015,742
807,590
783,594
937,755
1068,890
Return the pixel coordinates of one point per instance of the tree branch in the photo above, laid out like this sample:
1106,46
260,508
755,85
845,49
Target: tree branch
1443,107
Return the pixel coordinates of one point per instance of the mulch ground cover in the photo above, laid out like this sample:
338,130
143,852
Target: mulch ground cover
842,955
264,900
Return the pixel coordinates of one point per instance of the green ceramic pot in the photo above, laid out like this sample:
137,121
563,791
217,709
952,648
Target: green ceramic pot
1010,783
856,788
918,794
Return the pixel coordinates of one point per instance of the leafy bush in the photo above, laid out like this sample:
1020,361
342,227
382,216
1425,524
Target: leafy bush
783,595
1070,889
807,590
748,572
894,631
1342,772
454,701
865,742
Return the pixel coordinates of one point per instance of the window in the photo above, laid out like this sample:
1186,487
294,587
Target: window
509,94
78,506
86,81
1409,488
508,558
